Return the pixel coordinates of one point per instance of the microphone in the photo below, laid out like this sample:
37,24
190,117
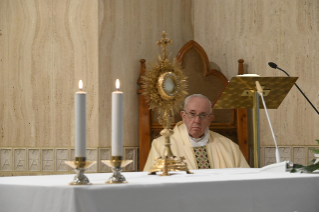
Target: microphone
274,65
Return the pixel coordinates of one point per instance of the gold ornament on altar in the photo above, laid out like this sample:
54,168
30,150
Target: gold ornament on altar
164,87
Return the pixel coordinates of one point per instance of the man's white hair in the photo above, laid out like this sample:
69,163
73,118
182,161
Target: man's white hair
199,96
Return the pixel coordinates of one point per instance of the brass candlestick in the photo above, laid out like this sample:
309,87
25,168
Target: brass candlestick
80,165
117,164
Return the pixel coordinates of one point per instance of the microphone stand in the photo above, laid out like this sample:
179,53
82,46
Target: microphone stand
260,91
273,65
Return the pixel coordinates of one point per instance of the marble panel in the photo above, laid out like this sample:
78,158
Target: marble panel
270,154
130,153
20,159
92,155
104,154
299,155
310,153
61,156
6,159
47,160
34,160
285,153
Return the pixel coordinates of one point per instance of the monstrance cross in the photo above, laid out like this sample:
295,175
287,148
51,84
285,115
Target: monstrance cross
164,42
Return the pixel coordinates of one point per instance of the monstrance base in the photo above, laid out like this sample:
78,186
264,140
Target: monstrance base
165,164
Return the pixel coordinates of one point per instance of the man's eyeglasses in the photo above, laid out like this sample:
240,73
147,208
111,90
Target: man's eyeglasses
201,116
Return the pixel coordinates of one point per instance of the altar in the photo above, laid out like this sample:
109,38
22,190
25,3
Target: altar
239,190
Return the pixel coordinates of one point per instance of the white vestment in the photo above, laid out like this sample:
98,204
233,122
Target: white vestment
221,151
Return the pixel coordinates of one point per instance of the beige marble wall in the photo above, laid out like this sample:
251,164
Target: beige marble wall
281,31
47,46
128,32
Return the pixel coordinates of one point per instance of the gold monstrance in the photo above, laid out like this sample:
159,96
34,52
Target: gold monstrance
164,86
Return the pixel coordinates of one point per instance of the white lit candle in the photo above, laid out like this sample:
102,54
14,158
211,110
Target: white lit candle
80,122
117,121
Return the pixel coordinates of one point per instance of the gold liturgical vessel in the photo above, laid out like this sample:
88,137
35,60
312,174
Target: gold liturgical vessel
164,88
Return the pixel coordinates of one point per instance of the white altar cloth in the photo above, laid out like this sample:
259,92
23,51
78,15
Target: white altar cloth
218,190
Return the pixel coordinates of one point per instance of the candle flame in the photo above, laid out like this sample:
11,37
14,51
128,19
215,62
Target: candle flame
117,84
80,84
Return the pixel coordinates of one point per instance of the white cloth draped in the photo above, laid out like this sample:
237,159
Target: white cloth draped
221,190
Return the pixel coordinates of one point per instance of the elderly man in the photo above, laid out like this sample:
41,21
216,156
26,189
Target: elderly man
202,148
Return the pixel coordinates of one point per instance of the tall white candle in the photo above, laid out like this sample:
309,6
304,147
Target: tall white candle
117,121
80,122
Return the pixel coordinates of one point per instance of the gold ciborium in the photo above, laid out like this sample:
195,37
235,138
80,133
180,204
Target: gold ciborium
165,89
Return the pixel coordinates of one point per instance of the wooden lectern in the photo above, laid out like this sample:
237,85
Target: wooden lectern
241,92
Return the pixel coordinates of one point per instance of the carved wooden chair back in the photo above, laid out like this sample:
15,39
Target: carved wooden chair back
202,79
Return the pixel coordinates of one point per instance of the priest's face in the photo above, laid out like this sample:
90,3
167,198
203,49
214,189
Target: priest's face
197,116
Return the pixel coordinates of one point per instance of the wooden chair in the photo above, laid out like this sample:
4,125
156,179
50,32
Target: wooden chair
201,79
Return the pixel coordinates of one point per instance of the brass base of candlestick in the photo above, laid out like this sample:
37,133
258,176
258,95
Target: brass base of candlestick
80,165
117,164
165,164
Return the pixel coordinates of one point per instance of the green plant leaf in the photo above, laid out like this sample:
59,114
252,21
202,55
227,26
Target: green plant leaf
293,170
311,168
312,165
315,151
312,161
